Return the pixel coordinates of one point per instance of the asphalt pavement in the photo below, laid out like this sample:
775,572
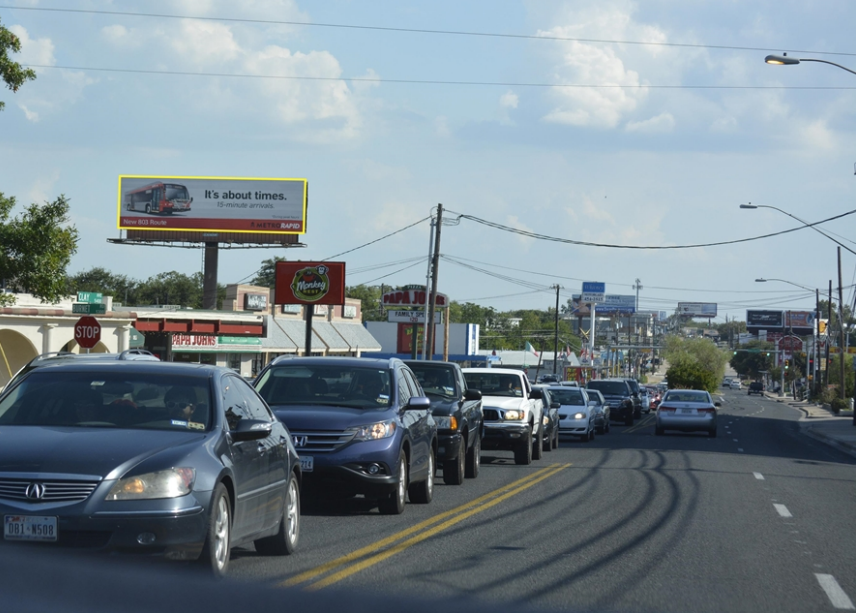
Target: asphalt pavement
820,423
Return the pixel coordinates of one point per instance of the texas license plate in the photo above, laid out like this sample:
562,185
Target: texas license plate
29,528
307,463
686,411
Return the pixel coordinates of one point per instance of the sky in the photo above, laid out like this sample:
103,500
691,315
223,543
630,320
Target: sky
638,165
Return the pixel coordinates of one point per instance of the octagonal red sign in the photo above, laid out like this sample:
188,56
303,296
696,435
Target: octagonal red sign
87,332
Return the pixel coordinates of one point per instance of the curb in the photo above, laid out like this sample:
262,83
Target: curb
819,436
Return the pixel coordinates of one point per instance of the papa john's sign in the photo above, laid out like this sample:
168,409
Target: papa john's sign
412,295
310,283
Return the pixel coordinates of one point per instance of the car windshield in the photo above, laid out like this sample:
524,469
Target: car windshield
568,397
108,400
435,380
611,388
687,396
494,384
324,384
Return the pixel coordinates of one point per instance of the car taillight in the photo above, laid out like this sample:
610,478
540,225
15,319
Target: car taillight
704,411
665,409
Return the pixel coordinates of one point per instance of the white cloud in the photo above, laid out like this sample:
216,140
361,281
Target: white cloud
30,115
817,135
509,100
441,127
724,124
664,122
33,50
600,65
205,42
514,222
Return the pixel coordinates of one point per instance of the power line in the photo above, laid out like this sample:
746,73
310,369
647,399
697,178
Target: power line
504,228
394,272
236,75
505,35
415,223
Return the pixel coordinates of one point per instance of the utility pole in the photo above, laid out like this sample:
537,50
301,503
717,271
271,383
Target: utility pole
841,348
435,265
556,339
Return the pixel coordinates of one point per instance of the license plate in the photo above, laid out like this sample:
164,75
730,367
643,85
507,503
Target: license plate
307,463
29,528
686,411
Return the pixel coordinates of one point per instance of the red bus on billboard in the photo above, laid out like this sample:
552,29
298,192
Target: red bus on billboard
159,199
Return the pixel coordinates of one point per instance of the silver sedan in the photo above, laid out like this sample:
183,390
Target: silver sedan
688,411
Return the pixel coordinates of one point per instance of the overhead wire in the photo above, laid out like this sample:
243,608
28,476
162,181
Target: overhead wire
545,237
462,33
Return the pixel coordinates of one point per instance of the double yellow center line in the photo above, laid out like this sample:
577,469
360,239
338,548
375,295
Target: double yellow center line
646,421
377,552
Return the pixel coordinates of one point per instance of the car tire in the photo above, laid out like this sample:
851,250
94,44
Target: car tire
218,539
453,470
393,504
538,444
523,451
658,431
628,421
555,443
284,542
591,435
712,433
422,492
474,458
606,426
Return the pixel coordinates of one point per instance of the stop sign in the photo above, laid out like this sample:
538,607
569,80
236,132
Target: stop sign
87,332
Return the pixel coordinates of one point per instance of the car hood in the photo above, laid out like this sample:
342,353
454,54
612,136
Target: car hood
571,409
500,402
105,452
315,417
444,406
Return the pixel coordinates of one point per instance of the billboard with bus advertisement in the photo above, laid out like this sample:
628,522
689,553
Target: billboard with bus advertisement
697,309
800,322
212,204
309,283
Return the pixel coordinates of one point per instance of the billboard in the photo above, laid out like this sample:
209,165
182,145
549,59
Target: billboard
212,204
801,322
309,283
697,309
769,320
609,304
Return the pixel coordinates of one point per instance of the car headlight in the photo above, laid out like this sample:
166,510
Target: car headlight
515,415
579,415
170,483
373,432
447,422
546,420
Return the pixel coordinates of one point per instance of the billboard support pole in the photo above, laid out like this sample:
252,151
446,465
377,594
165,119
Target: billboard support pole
209,277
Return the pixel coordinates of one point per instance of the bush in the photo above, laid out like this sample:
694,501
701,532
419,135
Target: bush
839,404
689,375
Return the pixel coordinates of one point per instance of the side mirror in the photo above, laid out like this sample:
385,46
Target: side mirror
555,405
251,430
536,395
471,394
417,403
717,404
593,403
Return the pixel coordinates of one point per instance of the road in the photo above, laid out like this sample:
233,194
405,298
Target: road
757,519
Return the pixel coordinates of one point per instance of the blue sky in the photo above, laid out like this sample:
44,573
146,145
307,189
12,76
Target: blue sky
629,166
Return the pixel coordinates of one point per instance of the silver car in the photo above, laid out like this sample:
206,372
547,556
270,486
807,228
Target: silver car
688,411
601,416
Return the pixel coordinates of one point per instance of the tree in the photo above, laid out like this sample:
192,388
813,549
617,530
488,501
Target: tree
103,281
693,363
752,358
11,72
36,248
370,296
266,276
172,288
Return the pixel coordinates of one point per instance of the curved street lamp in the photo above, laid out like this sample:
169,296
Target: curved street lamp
808,224
808,289
784,60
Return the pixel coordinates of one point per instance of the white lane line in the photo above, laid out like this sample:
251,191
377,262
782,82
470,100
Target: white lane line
735,440
759,476
740,449
836,595
782,510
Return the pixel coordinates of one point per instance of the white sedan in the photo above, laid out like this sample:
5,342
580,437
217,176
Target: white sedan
576,417
735,384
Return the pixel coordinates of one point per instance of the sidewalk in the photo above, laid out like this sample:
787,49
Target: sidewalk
822,424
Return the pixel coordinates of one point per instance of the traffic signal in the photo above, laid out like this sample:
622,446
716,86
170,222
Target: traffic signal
787,363
811,364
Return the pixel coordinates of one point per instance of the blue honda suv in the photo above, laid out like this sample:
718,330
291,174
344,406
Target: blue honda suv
360,426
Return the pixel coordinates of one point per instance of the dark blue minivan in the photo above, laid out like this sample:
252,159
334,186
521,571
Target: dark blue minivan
360,426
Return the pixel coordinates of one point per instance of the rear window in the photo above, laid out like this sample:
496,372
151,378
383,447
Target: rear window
686,396
567,396
611,388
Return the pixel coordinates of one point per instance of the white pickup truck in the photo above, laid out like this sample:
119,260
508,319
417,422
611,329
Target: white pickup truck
512,411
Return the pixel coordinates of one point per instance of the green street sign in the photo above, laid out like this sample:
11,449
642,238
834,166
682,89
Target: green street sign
90,297
85,308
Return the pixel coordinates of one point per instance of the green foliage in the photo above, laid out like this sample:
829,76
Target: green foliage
750,363
370,296
266,276
36,247
11,72
693,363
839,404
